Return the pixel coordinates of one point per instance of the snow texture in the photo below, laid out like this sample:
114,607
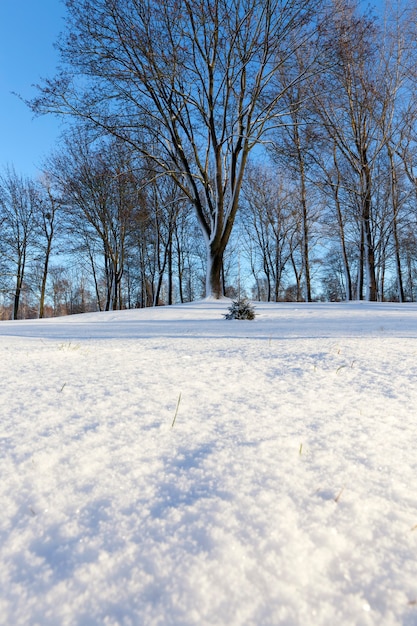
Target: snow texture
170,467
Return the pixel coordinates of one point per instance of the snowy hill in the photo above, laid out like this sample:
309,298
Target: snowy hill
169,467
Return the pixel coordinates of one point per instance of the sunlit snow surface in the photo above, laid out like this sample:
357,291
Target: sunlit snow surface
285,493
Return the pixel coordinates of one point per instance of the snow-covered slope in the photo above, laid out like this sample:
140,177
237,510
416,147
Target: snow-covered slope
169,467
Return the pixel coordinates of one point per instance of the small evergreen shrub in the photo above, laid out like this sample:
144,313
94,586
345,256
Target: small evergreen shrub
241,310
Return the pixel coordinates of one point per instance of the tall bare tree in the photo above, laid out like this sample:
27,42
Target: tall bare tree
48,208
270,223
101,192
18,201
349,103
399,125
188,83
293,142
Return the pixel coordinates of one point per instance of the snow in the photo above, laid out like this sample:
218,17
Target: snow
169,467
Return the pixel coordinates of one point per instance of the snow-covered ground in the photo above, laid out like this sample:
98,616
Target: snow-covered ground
169,467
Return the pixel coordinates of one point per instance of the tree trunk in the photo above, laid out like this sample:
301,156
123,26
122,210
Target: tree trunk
17,299
305,250
180,267
366,199
44,279
214,287
395,209
371,286
361,266
346,268
170,269
19,284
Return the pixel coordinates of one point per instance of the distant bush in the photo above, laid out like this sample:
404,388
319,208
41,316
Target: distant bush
241,310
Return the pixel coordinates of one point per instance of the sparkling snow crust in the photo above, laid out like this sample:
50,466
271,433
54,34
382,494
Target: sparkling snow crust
170,467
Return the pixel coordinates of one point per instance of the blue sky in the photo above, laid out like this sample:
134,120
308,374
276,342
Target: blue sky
28,30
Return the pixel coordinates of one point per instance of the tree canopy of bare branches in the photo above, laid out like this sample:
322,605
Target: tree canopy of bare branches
188,83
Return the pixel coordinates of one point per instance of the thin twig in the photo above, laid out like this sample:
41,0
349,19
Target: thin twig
176,411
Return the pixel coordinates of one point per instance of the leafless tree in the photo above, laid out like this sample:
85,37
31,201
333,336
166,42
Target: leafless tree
348,101
270,224
101,193
48,208
18,202
189,84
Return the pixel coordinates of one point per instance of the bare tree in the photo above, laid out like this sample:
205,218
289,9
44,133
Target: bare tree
164,202
293,143
399,126
101,193
18,200
47,212
349,103
188,83
187,240
270,223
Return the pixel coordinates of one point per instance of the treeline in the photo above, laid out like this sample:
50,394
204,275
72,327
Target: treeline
95,232
247,147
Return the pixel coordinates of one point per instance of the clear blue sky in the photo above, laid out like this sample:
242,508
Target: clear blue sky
28,30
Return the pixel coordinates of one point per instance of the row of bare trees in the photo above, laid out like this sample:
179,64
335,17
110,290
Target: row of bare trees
219,143
97,231
349,149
